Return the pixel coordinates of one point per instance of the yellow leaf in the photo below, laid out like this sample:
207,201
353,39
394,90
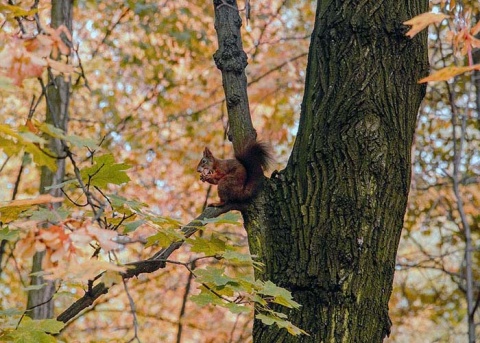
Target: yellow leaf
447,73
111,277
17,11
11,210
421,21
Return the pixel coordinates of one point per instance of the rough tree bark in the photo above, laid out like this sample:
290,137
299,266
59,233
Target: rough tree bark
57,95
333,217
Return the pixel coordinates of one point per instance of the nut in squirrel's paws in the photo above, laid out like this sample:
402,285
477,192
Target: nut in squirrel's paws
204,173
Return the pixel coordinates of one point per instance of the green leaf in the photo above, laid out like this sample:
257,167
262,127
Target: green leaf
75,140
164,238
10,312
119,201
45,325
30,137
266,319
105,171
236,256
227,218
28,336
259,300
8,235
40,157
164,221
28,142
274,318
30,331
206,298
280,295
212,246
34,287
132,226
43,214
215,276
62,184
236,308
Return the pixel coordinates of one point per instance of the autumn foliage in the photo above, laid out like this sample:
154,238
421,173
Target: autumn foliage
145,99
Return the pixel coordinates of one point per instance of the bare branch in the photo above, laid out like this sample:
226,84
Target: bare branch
133,310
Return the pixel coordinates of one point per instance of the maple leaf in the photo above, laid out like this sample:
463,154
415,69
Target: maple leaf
19,63
25,247
215,276
111,277
447,73
57,43
41,199
60,67
80,270
41,45
105,171
421,21
104,237
8,235
28,58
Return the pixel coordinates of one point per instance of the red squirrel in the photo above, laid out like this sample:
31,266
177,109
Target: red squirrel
239,179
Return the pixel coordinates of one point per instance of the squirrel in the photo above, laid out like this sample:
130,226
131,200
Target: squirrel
238,179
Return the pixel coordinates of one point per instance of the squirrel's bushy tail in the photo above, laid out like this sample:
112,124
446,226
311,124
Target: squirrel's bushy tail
255,157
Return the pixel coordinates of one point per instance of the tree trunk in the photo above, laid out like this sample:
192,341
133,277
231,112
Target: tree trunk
333,217
57,97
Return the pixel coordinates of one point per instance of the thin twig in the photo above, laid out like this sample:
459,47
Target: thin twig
457,157
110,30
133,310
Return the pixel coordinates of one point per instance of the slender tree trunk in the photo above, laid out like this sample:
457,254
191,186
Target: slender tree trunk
57,97
333,217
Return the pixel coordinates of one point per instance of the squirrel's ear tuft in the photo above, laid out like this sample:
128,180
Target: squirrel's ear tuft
207,152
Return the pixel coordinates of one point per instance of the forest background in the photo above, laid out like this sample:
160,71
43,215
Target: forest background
145,99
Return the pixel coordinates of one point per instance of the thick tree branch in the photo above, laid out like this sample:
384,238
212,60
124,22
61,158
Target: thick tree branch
232,60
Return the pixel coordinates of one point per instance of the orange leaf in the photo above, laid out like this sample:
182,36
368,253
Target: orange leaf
421,21
104,237
19,63
58,46
447,73
476,29
60,66
41,199
30,126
